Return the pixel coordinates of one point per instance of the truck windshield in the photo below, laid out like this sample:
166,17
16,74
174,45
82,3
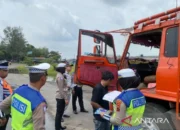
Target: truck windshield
104,48
145,45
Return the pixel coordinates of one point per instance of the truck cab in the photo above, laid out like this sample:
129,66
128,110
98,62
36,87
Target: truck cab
153,51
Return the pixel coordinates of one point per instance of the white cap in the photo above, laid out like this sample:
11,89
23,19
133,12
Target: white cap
41,68
61,65
126,73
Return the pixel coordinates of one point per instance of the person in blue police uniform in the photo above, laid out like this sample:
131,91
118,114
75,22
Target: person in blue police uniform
26,104
129,106
5,91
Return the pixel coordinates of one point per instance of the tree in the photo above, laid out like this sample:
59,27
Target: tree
15,41
55,55
28,61
44,52
2,55
29,49
14,46
40,52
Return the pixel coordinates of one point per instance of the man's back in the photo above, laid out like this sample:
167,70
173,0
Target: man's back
25,100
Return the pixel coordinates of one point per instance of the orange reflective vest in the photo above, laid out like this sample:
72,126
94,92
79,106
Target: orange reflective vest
7,89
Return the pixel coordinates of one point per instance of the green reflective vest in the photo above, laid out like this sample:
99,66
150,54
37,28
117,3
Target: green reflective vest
134,112
21,113
24,101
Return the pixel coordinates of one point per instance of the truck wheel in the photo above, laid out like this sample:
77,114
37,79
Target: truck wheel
156,118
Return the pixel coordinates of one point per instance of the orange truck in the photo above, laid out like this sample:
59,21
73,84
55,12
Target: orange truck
153,51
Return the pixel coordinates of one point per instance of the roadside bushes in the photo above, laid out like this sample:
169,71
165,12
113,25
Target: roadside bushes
22,69
52,72
28,61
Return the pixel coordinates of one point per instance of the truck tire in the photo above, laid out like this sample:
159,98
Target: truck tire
156,118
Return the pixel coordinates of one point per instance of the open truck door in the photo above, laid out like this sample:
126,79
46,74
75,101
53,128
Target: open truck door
96,53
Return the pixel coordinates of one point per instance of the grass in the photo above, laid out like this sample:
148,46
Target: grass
52,72
72,70
23,70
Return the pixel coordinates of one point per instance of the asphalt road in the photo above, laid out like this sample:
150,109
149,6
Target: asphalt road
49,123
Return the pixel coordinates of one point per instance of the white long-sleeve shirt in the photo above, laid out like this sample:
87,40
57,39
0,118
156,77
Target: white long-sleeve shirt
69,79
72,79
1,90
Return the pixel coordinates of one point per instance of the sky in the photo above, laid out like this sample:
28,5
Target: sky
55,24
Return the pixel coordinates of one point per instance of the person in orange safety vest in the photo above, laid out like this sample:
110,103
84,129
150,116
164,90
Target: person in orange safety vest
5,91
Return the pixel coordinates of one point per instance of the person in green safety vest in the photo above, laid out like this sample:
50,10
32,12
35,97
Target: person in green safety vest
26,104
129,106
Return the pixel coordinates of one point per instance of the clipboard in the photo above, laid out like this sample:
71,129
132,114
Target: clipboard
106,116
111,96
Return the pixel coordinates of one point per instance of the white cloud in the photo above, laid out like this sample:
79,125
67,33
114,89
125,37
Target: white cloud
56,23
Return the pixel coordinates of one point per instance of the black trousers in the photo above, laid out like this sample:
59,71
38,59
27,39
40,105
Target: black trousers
4,127
59,113
78,94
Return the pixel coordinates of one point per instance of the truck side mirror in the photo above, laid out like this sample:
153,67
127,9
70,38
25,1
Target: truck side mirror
97,41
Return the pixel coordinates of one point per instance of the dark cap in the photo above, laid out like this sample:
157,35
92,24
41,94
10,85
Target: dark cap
69,65
4,64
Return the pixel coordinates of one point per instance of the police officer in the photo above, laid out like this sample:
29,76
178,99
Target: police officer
61,95
129,106
26,104
5,91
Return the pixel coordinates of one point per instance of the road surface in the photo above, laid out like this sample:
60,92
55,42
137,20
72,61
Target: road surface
81,121
49,123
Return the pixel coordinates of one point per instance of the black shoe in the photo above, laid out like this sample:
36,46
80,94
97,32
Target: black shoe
67,116
62,120
85,111
75,112
63,128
